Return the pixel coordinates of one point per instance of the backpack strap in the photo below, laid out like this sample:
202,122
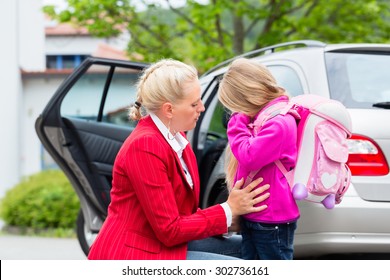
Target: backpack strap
288,174
280,108
250,177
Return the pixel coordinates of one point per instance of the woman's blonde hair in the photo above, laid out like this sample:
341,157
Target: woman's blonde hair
246,87
163,81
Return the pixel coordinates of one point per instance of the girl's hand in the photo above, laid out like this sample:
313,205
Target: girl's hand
239,118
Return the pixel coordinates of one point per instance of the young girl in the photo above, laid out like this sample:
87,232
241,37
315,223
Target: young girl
246,89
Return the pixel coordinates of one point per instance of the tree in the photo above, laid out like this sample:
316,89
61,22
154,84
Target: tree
205,34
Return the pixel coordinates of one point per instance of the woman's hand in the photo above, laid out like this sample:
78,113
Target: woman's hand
243,201
235,226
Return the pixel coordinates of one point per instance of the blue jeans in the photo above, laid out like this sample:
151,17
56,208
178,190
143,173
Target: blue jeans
267,241
214,248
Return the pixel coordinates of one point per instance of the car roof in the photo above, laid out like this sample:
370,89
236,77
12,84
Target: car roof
357,47
293,45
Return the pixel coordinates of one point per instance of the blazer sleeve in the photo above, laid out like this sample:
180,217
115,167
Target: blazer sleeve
148,164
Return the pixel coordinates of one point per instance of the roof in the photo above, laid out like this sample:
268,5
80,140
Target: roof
107,51
65,29
46,72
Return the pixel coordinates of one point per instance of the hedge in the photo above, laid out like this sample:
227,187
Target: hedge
45,200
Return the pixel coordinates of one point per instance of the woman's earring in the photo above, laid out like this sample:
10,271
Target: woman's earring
169,131
169,136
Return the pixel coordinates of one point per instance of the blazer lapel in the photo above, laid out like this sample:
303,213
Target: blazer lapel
190,160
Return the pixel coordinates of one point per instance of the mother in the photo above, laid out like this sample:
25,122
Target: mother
154,210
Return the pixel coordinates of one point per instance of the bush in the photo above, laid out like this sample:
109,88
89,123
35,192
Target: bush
45,200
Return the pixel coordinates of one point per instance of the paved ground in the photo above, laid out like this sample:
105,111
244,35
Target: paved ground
14,247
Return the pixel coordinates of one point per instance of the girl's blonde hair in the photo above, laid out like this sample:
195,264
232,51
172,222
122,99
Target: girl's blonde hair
246,87
163,81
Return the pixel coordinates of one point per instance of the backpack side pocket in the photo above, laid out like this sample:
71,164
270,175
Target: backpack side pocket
328,173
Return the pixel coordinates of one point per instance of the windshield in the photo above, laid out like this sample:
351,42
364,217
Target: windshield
359,80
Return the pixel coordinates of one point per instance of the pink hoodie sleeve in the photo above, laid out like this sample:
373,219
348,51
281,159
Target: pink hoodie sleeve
255,152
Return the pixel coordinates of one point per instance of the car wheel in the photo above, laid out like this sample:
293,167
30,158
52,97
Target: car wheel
84,234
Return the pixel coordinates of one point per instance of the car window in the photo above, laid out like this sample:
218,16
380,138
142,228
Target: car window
359,80
102,95
287,78
218,120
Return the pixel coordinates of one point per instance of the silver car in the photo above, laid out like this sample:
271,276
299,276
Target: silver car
358,75
85,123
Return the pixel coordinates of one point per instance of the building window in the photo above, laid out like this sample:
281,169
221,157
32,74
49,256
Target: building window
60,62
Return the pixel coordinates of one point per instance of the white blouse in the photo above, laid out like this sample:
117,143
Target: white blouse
177,142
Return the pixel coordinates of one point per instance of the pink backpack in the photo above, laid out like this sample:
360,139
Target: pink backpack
321,174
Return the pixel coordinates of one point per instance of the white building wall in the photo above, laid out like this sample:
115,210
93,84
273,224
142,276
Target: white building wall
10,96
22,98
31,35
22,47
70,45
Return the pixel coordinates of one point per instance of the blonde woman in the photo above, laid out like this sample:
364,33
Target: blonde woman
246,89
154,210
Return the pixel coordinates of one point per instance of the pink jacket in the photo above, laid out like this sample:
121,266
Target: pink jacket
276,140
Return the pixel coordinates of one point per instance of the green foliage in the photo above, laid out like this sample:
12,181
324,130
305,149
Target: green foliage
206,34
42,201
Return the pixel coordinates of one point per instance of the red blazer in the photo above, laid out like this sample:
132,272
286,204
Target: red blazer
153,211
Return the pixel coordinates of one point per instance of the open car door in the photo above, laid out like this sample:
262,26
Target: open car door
82,128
